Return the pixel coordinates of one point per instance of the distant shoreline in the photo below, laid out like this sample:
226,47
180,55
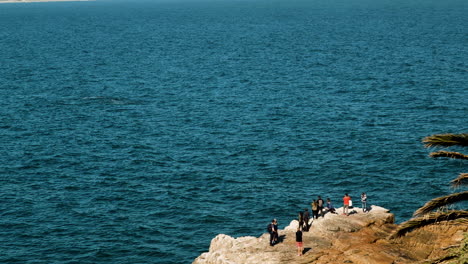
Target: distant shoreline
33,1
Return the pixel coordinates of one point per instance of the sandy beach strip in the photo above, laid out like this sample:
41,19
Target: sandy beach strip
37,1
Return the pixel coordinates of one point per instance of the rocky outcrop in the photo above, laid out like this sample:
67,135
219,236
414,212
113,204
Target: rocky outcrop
359,238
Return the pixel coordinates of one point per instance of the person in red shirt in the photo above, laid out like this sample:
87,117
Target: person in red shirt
346,200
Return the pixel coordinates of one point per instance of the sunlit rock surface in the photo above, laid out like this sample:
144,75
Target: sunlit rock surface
359,238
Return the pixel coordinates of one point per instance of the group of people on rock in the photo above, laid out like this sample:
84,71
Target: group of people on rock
317,210
318,207
348,203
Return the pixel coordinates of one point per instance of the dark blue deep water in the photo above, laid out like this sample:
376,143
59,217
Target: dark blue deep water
136,131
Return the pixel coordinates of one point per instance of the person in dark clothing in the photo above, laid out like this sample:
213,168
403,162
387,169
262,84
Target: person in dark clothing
273,230
320,204
314,206
306,218
299,244
301,218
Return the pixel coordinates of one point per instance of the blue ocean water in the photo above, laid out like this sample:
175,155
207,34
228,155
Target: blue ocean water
136,131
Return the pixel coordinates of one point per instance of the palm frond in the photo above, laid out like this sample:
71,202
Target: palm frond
441,201
461,180
446,140
428,219
448,154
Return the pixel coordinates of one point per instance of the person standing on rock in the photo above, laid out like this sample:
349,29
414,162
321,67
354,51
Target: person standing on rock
273,230
299,244
306,218
314,209
364,202
320,206
314,206
301,218
346,200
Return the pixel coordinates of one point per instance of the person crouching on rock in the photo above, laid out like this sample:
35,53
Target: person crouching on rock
299,244
273,230
330,207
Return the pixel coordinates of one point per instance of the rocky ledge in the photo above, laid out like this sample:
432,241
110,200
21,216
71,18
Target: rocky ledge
359,238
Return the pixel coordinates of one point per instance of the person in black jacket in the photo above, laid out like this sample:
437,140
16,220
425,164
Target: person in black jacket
299,244
273,230
320,204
